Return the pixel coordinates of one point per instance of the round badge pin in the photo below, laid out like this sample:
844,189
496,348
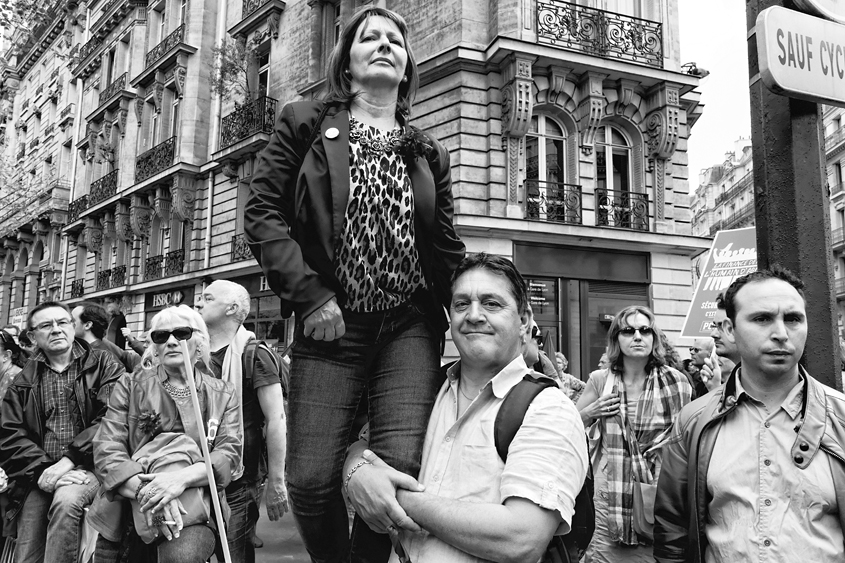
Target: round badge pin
332,133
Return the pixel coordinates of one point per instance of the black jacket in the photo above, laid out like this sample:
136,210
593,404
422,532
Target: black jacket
22,422
294,214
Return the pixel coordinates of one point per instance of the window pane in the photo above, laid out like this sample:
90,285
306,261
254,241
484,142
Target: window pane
618,139
555,171
532,158
600,134
620,170
533,128
553,128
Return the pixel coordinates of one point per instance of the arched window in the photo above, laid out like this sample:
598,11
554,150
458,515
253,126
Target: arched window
548,195
616,204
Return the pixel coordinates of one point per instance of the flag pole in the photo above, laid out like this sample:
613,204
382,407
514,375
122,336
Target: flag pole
215,501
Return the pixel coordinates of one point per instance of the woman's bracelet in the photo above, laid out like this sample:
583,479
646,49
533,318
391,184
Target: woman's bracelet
352,471
138,490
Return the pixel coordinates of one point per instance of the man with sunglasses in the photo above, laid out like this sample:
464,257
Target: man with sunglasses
47,424
755,471
224,306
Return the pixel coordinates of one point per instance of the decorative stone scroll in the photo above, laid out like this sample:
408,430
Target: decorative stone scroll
183,195
662,130
517,96
122,114
140,215
590,109
158,95
273,24
139,108
94,234
162,204
123,228
181,75
108,226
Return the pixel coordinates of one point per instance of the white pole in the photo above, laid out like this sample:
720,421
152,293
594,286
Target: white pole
192,385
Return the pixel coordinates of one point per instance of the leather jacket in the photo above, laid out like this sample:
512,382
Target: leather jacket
22,422
680,510
138,397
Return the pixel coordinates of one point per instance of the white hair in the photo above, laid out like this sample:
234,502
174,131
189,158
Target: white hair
235,294
193,319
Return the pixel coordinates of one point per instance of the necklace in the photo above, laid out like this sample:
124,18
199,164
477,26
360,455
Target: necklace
176,392
461,391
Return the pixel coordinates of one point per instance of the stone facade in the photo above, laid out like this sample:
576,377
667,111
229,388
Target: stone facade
564,145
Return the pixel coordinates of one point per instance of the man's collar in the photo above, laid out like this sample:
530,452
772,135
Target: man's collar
76,352
503,381
793,404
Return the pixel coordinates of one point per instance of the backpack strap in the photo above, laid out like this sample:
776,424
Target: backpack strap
513,409
315,130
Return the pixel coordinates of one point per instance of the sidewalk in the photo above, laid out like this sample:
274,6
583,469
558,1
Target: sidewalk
281,541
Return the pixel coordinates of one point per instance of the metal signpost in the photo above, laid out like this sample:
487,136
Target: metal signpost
790,187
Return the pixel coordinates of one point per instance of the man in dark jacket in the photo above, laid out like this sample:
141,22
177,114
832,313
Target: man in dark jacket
47,424
91,321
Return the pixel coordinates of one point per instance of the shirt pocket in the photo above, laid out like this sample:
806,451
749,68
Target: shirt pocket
479,474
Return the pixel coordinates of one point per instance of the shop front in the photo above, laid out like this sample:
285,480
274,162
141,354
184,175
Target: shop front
575,293
155,301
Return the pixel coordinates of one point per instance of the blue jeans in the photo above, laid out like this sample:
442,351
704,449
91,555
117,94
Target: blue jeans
392,355
49,525
242,498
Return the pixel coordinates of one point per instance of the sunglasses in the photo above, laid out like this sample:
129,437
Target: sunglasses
694,350
630,330
179,333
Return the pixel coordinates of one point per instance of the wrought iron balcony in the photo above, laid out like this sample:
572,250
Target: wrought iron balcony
256,116
77,288
551,201
54,74
839,289
834,139
251,6
153,267
174,262
113,88
66,111
49,130
76,207
158,158
837,239
33,144
240,249
88,48
598,32
715,227
118,276
103,188
21,151
25,105
157,52
739,217
103,280
621,209
39,89
837,189
744,183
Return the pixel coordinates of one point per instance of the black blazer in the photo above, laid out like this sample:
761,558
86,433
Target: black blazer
294,215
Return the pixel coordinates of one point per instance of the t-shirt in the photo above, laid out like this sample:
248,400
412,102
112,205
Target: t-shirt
254,456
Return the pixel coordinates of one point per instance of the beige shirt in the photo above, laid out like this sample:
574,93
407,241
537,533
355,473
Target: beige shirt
547,459
763,508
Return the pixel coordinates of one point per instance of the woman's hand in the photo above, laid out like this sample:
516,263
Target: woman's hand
167,521
372,491
161,489
606,405
326,323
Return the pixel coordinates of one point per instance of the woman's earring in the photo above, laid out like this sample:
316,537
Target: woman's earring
405,78
347,72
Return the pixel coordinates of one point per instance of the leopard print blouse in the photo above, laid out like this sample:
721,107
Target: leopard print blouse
376,256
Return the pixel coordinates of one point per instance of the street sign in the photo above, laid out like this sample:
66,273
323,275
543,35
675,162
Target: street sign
801,56
733,254
833,10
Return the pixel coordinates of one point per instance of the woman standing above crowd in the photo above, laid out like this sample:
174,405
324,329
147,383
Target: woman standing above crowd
350,217
631,406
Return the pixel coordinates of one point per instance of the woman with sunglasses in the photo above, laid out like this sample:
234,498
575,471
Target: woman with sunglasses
629,409
147,449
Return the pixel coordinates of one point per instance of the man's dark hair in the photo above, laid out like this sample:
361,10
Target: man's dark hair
720,301
774,272
499,266
95,314
16,327
41,307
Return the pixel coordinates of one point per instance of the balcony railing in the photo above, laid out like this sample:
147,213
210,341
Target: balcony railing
103,280
839,288
21,151
33,144
743,183
715,227
738,217
66,112
88,48
76,207
54,74
24,105
77,288
551,201
240,249
39,89
158,158
836,189
118,276
49,130
168,43
833,140
600,33
153,267
621,209
113,88
103,188
253,117
837,238
250,6
174,263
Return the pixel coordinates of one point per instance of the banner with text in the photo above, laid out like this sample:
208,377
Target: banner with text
733,254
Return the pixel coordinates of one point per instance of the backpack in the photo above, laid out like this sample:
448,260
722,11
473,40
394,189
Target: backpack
570,547
280,365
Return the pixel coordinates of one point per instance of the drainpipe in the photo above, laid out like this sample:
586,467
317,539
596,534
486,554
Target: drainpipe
77,122
214,142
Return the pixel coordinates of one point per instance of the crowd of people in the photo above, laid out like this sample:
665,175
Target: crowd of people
166,445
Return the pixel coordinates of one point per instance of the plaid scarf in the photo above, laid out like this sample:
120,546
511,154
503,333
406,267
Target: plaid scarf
633,447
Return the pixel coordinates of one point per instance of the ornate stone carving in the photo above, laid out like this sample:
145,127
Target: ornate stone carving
557,93
517,96
273,25
625,104
94,234
140,215
230,170
590,108
139,109
109,231
181,74
659,189
158,95
162,204
512,156
662,125
183,195
123,227
122,114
